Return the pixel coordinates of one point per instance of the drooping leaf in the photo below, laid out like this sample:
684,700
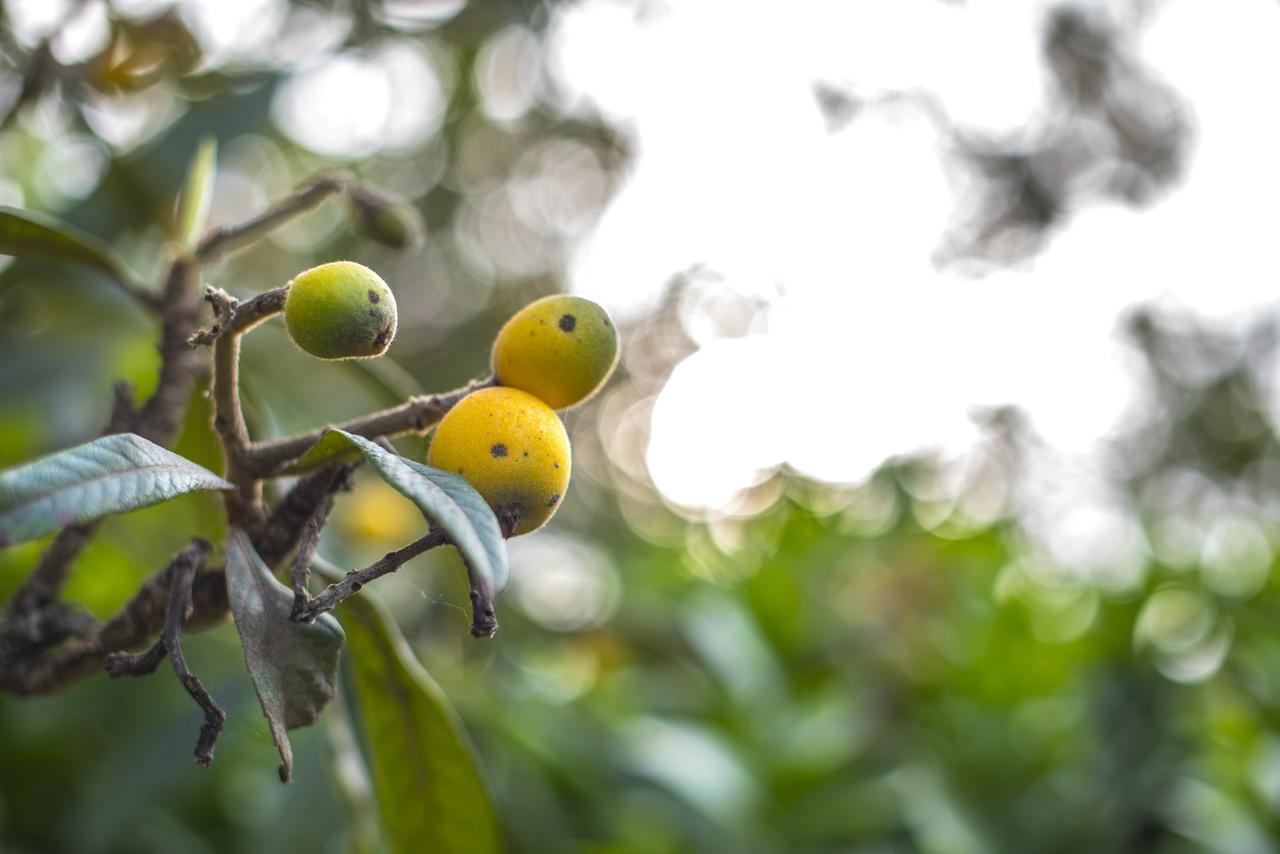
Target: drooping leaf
197,193
27,234
294,666
452,505
477,509
430,793
108,475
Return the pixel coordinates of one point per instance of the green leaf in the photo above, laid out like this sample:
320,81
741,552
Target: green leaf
294,665
197,193
27,234
332,448
430,793
452,505
108,475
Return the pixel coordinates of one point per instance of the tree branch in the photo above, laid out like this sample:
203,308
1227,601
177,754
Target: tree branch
265,459
351,583
162,414
234,317
306,551
182,574
139,621
223,241
244,504
287,522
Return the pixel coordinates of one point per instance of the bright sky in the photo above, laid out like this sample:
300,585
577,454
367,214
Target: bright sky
874,351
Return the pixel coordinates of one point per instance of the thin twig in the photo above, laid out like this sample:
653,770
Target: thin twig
351,583
265,459
234,317
228,239
301,574
182,576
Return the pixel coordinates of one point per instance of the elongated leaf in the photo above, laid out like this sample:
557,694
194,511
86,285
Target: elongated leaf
27,234
430,794
294,666
197,193
452,505
108,475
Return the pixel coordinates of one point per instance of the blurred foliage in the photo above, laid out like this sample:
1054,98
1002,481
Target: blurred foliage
897,666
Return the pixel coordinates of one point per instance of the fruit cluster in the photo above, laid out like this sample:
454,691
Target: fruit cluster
507,441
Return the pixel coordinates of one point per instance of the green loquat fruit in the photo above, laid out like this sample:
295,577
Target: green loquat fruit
512,448
340,310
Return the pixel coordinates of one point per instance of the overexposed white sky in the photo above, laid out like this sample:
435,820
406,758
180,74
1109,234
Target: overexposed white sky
875,350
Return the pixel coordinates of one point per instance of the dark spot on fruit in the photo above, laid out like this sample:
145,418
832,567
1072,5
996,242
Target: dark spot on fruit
557,465
459,471
373,312
498,450
553,500
383,336
373,297
568,322
526,453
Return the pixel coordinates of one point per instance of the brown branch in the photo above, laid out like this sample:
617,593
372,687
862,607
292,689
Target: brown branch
351,583
301,574
182,574
223,241
265,459
139,621
283,529
162,414
234,317
45,581
244,504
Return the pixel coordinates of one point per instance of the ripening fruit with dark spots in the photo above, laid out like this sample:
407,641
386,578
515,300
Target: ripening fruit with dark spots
340,310
512,448
561,349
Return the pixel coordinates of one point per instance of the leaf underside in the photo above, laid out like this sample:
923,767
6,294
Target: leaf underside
108,475
430,793
294,666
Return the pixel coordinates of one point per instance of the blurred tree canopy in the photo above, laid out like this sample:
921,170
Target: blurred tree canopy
900,665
